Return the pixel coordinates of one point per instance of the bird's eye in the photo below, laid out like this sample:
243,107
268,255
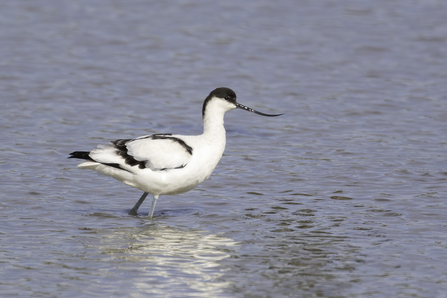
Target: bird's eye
227,97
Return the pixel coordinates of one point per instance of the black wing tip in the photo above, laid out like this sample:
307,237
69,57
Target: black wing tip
85,155
81,155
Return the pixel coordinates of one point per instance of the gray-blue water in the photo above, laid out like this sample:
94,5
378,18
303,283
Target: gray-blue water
343,196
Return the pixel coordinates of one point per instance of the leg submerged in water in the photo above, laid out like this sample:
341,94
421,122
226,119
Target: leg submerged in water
154,201
134,210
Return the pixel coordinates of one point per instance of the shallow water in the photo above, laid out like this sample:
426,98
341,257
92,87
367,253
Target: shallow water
344,196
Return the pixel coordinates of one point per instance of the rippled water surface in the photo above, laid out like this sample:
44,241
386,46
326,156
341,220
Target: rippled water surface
343,196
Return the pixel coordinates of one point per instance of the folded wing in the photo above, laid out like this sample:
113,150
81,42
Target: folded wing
159,152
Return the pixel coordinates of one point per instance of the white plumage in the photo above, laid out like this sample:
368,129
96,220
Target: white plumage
168,164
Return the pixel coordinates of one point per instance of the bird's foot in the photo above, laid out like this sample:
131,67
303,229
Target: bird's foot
133,212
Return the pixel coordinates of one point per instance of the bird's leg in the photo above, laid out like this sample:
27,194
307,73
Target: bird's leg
134,210
154,201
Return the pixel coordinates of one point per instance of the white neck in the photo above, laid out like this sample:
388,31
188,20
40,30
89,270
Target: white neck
213,121
213,130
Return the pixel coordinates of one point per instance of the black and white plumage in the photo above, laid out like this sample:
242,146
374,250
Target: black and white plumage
167,164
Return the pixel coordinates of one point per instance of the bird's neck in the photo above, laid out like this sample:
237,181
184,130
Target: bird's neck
213,124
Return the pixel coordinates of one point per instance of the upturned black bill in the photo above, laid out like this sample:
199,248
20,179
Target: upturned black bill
241,106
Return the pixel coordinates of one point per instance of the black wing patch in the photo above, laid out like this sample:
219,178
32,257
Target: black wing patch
122,151
168,137
117,166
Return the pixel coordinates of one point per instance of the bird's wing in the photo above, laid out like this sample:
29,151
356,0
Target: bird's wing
157,152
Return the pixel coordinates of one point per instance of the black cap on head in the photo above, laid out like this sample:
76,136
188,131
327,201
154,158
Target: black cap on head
221,92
